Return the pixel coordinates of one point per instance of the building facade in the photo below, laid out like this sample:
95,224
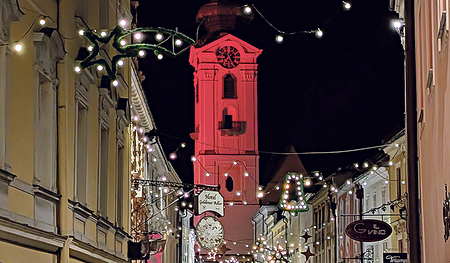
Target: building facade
432,57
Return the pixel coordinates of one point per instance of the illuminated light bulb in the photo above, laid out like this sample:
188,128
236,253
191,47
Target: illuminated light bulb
141,53
397,145
103,34
159,36
123,42
120,63
365,183
81,32
115,83
318,33
77,69
375,168
328,237
356,165
160,56
164,178
190,206
90,48
173,156
151,149
386,181
193,158
246,174
166,190
183,145
346,5
235,163
391,163
136,118
277,187
260,195
207,174
245,203
145,139
186,195
403,182
18,47
349,182
141,130
183,204
287,186
225,174
366,165
123,22
238,193
320,178
180,192
372,172
279,38
316,174
42,22
100,68
155,160
176,209
397,25
308,182
325,186
247,10
138,36
231,203
178,42
350,192
259,188
286,196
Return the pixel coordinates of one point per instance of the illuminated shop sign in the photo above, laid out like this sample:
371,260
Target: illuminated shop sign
368,230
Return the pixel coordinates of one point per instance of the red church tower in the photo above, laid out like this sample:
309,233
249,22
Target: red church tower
226,123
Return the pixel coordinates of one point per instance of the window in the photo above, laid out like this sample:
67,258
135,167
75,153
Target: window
399,182
81,157
383,195
120,185
229,184
374,199
229,87
103,178
46,134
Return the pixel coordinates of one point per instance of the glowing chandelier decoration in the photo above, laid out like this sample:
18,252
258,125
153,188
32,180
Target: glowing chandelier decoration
118,36
293,187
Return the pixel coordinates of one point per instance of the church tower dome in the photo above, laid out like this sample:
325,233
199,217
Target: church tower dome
222,16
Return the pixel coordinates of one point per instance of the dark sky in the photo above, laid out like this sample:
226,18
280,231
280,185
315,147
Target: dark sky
344,91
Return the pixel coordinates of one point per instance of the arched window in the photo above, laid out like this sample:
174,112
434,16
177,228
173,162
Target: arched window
229,184
229,87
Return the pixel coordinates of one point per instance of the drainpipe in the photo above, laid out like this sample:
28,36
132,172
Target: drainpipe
415,255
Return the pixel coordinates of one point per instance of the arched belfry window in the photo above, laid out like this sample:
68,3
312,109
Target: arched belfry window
229,184
229,87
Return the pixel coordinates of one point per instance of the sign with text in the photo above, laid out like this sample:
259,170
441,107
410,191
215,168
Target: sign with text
210,201
395,258
368,230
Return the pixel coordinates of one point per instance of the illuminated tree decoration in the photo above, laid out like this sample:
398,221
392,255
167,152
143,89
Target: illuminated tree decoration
118,34
292,197
273,254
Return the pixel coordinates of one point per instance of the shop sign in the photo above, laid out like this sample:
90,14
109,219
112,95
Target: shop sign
368,230
210,201
395,258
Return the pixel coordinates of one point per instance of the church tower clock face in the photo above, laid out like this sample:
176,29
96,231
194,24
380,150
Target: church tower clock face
228,56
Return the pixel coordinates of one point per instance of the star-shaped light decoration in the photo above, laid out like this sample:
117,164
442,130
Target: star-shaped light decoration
224,249
293,198
132,50
308,254
306,236
212,255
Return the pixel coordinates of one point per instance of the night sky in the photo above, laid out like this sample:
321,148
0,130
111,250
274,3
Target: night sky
343,91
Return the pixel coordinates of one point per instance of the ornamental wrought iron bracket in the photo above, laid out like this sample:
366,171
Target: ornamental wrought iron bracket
131,50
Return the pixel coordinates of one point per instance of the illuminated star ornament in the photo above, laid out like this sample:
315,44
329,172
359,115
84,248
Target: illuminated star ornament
308,254
293,198
119,35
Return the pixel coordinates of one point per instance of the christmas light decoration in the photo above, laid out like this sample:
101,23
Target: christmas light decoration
293,187
118,35
18,47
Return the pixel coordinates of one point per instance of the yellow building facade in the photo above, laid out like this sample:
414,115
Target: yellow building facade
64,137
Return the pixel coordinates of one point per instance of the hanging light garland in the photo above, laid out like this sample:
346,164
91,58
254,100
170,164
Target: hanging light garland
118,35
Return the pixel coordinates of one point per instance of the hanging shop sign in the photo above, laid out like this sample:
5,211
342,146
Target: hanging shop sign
211,201
395,258
368,230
